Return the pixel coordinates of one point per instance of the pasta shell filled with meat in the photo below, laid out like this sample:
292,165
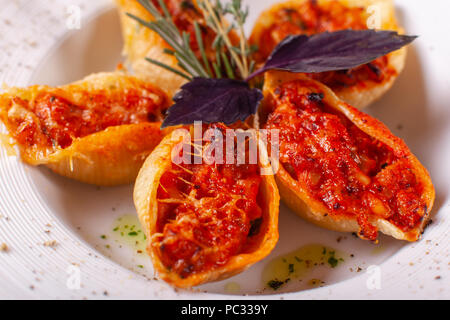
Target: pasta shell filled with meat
207,221
360,86
98,130
142,43
340,168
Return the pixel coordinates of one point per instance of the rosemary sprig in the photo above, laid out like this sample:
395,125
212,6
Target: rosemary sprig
214,16
180,42
230,60
241,16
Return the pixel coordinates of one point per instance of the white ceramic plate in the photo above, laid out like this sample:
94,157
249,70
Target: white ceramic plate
38,207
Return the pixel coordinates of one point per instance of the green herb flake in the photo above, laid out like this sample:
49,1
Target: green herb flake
291,268
333,262
132,234
103,236
275,284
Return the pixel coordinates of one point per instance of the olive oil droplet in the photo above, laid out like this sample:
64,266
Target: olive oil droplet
232,288
127,230
298,265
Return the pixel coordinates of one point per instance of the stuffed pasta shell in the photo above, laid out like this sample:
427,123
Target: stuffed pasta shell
359,86
98,130
340,168
206,221
142,43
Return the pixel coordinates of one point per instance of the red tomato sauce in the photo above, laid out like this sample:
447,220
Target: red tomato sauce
57,122
348,171
206,215
310,18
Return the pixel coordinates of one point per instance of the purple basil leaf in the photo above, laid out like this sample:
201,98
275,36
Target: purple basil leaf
213,100
330,51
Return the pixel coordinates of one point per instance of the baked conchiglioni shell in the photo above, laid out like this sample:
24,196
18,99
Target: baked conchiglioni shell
140,43
105,158
302,202
146,202
359,96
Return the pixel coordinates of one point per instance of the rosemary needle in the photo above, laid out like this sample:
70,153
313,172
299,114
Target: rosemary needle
198,35
165,66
